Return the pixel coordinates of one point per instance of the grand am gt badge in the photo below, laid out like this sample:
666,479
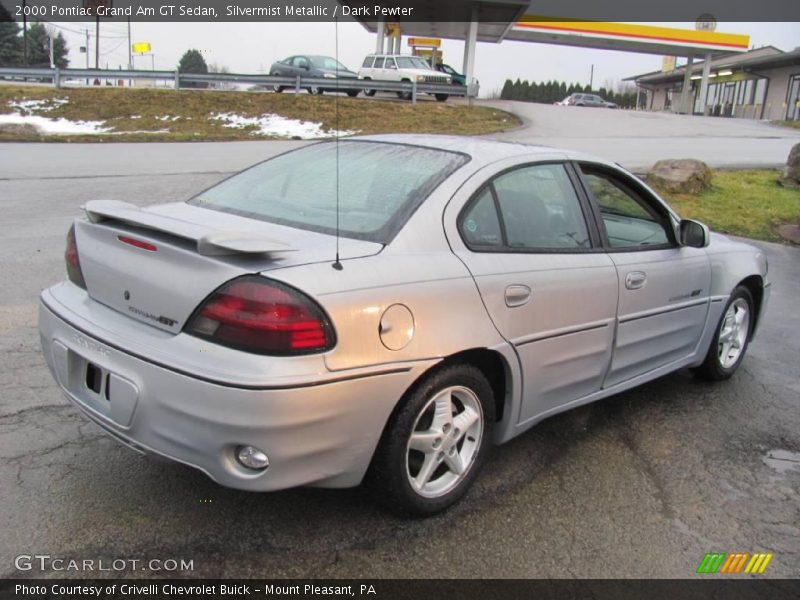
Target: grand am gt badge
157,318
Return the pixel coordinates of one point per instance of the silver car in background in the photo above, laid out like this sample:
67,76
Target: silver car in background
474,288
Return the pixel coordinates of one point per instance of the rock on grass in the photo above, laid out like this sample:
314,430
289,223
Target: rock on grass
791,172
682,176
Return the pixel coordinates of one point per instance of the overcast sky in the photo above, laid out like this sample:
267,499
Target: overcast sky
252,47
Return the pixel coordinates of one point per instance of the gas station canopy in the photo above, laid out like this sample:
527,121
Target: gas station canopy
628,37
518,20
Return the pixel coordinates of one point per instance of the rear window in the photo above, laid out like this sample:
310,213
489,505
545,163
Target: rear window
380,186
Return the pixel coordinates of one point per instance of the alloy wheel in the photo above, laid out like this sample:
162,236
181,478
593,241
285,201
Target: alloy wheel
444,441
733,333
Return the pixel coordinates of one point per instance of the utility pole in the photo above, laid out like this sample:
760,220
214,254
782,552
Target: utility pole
130,52
51,37
130,49
97,43
25,32
591,79
86,31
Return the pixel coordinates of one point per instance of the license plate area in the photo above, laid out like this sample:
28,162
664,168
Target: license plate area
97,387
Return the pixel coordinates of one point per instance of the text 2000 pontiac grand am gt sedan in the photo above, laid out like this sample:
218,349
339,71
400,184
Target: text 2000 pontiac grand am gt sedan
480,288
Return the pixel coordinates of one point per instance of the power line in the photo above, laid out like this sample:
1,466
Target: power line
78,32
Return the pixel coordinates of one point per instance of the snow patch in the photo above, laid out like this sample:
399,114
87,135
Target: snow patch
55,126
45,105
168,118
277,126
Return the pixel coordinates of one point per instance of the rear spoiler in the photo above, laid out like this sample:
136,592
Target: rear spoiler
210,241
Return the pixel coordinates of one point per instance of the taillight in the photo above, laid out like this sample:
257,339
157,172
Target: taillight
74,273
263,316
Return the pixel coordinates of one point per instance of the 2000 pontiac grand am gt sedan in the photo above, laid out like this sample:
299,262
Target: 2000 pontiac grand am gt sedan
480,288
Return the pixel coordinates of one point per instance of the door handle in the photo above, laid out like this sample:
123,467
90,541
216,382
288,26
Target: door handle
635,280
517,295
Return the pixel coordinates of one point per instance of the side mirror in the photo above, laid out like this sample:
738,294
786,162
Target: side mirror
693,234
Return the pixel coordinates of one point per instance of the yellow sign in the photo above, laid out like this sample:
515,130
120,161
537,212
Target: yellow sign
667,64
427,42
393,30
140,47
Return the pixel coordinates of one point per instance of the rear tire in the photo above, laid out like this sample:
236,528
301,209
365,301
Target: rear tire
278,89
731,338
315,91
435,443
441,97
352,93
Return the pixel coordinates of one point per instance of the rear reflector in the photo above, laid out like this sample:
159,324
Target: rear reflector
137,243
262,316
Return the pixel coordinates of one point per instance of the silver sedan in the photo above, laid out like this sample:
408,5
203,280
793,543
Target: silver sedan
385,309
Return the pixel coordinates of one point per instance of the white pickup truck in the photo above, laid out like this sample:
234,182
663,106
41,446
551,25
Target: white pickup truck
401,67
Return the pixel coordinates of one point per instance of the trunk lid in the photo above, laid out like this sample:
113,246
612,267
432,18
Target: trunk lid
157,264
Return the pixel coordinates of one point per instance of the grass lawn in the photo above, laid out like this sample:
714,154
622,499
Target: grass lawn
746,203
183,115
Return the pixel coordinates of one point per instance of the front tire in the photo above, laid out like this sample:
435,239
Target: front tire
731,339
435,443
441,97
315,91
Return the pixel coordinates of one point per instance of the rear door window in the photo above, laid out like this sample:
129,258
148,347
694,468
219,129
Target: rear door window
378,63
536,207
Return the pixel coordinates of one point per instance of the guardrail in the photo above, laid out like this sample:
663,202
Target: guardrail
411,89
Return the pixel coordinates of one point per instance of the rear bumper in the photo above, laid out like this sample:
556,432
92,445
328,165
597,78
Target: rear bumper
322,433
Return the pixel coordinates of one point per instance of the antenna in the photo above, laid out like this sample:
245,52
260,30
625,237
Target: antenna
337,264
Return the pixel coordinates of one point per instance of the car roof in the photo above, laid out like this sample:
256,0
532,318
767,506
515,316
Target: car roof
482,150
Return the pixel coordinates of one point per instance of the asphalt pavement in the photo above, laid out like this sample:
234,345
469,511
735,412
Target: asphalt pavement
639,485
637,139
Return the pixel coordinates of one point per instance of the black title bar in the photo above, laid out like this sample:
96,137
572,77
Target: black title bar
494,11
730,588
